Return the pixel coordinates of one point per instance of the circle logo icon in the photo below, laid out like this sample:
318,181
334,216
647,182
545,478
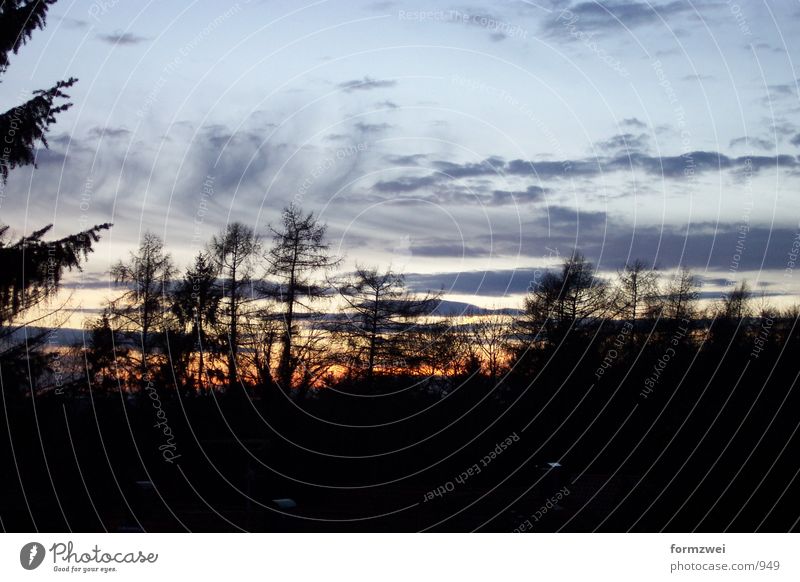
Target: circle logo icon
31,555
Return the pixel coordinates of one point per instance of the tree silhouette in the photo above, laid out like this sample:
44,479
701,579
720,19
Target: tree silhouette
569,299
681,295
636,295
233,252
142,310
23,126
378,307
299,252
31,268
196,304
489,334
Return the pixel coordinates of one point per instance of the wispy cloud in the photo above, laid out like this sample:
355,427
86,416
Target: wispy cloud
122,38
366,84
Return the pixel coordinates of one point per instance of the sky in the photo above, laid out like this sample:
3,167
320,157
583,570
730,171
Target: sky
470,145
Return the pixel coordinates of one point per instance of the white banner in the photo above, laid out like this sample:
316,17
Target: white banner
398,557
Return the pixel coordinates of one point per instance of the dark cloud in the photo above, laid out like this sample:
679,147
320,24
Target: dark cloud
697,77
530,194
408,160
602,17
73,23
568,221
449,250
625,142
629,159
726,248
795,141
782,127
110,132
489,166
387,104
546,170
365,84
762,144
782,91
496,283
633,122
122,38
371,127
406,184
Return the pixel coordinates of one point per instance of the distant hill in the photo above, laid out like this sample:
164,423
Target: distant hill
448,308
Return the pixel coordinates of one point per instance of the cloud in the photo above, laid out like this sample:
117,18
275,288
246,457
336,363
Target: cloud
406,184
449,250
505,197
629,159
711,248
782,91
122,38
633,122
697,77
762,144
795,141
407,160
365,84
568,221
488,166
602,17
625,142
495,283
110,132
372,127
73,23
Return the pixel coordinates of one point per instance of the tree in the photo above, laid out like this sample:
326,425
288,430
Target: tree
299,252
143,308
31,268
262,330
233,252
377,308
636,295
735,303
102,354
489,334
636,292
563,301
25,125
681,295
196,304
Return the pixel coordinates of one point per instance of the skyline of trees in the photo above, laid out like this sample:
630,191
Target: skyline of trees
31,267
236,312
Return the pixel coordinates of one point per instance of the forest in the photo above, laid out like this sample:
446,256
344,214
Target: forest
205,399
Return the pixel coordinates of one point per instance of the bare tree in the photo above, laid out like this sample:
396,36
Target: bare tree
681,295
637,291
377,308
489,334
561,301
298,254
141,310
735,304
233,252
262,332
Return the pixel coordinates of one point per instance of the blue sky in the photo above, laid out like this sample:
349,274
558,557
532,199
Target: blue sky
441,138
